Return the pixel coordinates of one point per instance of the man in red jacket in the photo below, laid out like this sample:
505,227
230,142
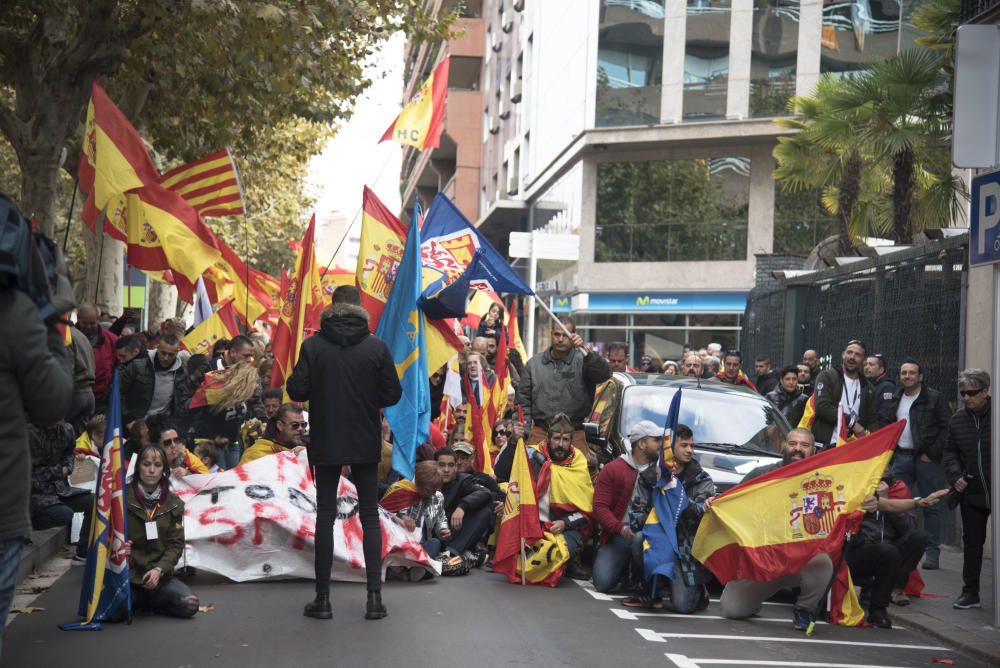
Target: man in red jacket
621,504
103,342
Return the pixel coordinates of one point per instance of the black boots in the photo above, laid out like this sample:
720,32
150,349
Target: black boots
320,608
376,609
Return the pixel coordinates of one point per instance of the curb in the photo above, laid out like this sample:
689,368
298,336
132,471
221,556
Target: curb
947,634
45,545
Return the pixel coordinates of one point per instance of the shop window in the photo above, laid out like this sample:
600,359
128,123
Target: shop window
629,63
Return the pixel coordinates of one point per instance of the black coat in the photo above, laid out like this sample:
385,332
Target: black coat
347,375
829,387
790,404
767,382
929,417
886,399
967,450
465,493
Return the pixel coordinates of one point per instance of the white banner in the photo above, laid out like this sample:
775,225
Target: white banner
258,521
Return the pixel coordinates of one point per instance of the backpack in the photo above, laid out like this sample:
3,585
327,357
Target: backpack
33,264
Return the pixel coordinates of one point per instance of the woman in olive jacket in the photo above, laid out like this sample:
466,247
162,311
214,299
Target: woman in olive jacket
156,538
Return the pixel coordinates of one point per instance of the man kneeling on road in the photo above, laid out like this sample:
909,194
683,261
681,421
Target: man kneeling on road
621,504
289,425
743,598
469,509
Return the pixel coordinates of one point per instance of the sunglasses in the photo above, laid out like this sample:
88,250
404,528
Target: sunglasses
298,425
503,432
970,393
172,441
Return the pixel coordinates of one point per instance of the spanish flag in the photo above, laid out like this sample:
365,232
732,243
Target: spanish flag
207,393
809,414
210,185
114,159
227,279
383,238
478,424
401,495
420,122
301,311
220,325
772,525
519,524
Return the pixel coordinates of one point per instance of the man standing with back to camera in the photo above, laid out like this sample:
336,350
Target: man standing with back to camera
347,375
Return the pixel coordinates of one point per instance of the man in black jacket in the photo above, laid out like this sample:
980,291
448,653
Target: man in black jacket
36,385
468,506
347,375
845,389
917,460
876,372
967,468
155,383
767,377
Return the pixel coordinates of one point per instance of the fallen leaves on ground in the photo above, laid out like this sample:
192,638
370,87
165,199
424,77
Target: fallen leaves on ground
206,608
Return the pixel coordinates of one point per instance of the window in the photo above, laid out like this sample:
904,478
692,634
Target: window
629,62
775,44
706,59
672,210
857,34
800,221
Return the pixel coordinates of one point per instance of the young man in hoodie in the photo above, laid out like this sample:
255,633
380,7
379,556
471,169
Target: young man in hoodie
348,376
621,504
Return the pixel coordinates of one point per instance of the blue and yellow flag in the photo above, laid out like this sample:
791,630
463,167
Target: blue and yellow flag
402,328
669,501
106,585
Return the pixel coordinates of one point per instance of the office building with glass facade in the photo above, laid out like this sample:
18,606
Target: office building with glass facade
647,128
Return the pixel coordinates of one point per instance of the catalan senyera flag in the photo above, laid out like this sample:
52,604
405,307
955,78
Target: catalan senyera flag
210,185
772,525
301,311
519,523
227,279
420,122
114,159
220,325
106,586
383,238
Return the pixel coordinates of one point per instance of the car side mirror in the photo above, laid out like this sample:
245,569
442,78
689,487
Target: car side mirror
592,431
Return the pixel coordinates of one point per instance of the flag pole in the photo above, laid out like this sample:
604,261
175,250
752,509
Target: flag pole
69,215
246,263
545,307
524,562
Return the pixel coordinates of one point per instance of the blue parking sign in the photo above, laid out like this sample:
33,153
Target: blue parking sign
984,225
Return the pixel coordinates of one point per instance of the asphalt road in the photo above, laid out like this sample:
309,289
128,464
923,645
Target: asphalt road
477,620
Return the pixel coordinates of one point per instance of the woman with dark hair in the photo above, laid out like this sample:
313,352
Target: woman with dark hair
491,322
156,527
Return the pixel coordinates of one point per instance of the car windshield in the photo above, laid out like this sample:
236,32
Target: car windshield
726,419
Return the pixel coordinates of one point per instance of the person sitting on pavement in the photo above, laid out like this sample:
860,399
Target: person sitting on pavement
886,548
465,461
53,500
743,598
563,489
621,504
419,506
688,591
156,539
208,452
180,461
731,372
289,425
788,397
468,508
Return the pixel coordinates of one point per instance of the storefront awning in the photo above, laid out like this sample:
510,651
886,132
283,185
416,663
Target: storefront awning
650,302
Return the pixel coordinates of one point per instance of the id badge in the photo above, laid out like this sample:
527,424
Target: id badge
151,533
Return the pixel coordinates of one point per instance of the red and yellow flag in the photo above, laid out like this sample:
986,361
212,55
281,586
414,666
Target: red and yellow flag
400,495
210,185
300,313
519,524
420,122
772,525
114,159
220,325
383,238
809,414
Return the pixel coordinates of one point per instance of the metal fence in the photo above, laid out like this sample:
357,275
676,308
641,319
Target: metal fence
907,304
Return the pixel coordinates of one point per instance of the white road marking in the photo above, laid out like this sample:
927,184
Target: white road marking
682,661
588,587
655,636
634,616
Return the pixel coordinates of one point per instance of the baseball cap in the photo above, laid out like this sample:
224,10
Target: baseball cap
644,428
463,447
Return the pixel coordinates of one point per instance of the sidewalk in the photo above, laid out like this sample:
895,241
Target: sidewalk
969,630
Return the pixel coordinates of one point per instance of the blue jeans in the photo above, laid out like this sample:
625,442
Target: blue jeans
432,546
10,560
922,478
231,456
618,560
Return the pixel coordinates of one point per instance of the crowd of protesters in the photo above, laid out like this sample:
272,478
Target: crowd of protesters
195,414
